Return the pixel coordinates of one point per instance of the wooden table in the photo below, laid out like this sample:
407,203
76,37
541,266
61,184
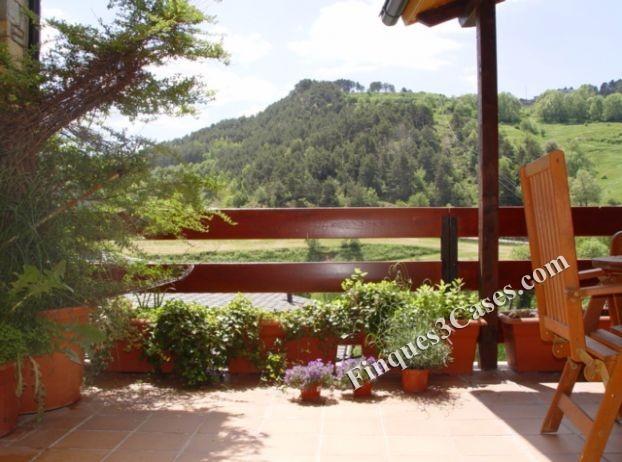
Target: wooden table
612,265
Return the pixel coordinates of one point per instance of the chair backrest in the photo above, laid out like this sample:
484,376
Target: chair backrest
551,235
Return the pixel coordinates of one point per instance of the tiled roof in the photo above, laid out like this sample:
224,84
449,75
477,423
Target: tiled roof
271,301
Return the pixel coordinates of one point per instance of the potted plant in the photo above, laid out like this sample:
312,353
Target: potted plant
524,348
310,379
341,378
406,328
12,350
430,302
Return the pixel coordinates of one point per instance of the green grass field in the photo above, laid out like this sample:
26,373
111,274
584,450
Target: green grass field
601,141
293,250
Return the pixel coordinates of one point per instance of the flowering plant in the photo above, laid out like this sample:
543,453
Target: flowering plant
314,373
342,367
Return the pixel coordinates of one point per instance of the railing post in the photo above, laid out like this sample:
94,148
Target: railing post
449,248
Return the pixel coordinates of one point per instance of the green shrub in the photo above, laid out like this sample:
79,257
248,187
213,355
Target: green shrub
192,335
238,323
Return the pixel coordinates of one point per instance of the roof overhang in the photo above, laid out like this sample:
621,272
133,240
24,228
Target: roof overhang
430,12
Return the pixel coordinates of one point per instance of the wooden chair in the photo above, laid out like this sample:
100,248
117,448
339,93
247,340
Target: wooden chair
599,354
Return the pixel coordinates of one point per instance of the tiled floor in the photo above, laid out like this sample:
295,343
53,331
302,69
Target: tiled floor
131,418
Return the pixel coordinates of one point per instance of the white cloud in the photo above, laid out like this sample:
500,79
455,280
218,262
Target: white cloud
348,37
246,48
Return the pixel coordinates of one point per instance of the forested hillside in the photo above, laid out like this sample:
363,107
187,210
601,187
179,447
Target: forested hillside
339,144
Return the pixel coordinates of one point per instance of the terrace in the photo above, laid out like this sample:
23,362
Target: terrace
491,413
485,416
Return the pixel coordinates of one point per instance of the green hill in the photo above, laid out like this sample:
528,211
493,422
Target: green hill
331,144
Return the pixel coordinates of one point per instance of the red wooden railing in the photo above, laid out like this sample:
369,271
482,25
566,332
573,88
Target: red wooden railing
362,223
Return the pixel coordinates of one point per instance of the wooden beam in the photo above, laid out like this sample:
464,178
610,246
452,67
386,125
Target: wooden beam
384,222
488,217
443,13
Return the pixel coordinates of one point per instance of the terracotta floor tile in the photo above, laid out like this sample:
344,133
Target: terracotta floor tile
17,454
405,426
290,427
41,438
474,445
351,447
72,455
155,441
481,427
113,422
167,422
422,446
553,444
129,455
91,439
218,446
532,426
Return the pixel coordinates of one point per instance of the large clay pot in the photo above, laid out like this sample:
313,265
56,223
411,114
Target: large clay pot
128,357
415,380
524,348
364,391
463,346
311,393
61,376
9,402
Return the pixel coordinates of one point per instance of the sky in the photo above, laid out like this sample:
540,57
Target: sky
273,44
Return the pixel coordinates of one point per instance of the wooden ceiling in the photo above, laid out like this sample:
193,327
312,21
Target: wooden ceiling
433,12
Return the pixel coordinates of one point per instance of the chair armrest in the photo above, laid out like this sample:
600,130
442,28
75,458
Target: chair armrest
591,273
596,291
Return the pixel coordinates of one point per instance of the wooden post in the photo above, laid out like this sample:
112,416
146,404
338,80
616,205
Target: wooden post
488,221
449,248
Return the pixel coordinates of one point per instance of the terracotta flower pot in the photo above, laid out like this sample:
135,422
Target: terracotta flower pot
239,365
463,347
415,380
364,391
129,357
61,377
9,402
525,350
311,393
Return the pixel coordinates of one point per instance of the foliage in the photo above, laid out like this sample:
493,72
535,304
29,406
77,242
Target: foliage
342,367
314,373
591,248
430,302
403,329
319,320
584,190
274,365
339,146
113,319
74,191
238,323
509,108
191,335
370,304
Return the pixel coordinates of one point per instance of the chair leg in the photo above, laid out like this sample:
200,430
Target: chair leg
605,416
569,377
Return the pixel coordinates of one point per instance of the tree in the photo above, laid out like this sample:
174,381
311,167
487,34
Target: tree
596,107
509,108
578,160
375,87
328,196
612,108
551,107
584,190
91,71
55,150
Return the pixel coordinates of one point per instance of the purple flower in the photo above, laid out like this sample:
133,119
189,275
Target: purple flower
342,368
314,373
